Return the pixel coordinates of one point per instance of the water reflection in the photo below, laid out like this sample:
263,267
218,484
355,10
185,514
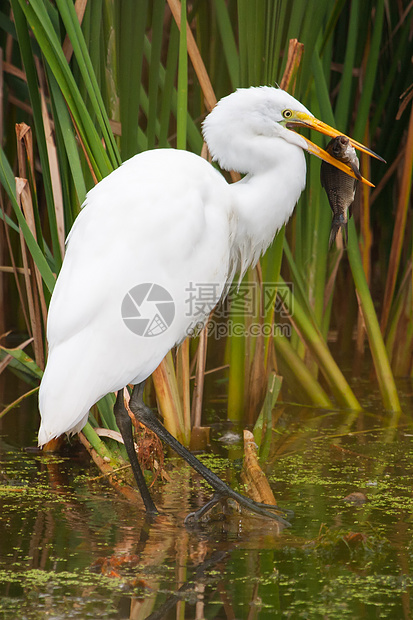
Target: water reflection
70,547
64,542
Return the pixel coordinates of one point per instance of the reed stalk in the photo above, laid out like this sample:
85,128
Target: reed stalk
103,80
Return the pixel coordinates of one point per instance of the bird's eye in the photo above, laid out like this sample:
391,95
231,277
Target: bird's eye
287,113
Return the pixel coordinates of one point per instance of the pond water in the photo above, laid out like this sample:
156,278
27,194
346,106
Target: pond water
70,547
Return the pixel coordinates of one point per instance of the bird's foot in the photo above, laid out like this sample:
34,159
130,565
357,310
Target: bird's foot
264,510
222,490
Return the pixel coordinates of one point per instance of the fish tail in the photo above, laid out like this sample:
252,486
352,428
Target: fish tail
335,227
336,224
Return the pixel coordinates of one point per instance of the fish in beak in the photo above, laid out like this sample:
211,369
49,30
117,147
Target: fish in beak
339,186
301,119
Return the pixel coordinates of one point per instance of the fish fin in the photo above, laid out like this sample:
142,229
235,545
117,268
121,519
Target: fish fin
355,169
344,229
335,227
336,224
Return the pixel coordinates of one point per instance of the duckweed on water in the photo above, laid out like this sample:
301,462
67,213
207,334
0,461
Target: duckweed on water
217,464
345,593
36,579
356,565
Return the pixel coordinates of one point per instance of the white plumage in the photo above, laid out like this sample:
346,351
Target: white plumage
150,221
168,217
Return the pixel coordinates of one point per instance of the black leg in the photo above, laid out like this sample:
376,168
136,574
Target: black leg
222,490
125,426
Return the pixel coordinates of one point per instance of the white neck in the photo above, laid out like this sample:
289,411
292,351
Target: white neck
264,200
246,132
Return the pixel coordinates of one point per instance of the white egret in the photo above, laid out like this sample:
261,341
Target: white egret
155,231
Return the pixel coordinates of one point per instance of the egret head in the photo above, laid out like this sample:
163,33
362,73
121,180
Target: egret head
248,115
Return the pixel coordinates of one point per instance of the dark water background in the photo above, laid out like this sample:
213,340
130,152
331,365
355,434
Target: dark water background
71,548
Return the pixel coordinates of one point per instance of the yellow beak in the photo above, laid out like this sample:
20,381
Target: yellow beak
301,119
